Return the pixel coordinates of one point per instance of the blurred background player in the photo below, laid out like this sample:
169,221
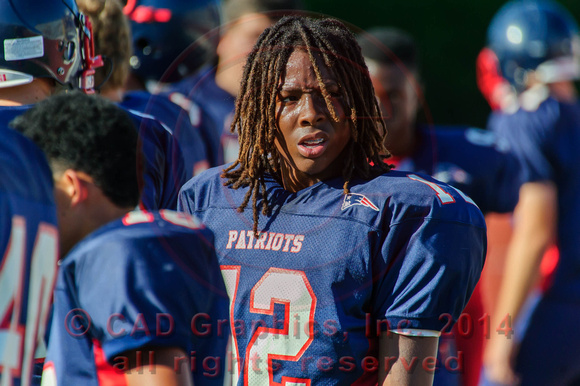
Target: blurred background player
536,43
170,40
215,87
28,254
467,158
121,270
38,62
341,242
112,37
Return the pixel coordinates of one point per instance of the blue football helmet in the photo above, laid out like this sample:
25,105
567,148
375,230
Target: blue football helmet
46,39
537,35
172,38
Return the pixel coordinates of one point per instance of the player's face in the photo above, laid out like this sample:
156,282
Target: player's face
308,139
236,43
397,95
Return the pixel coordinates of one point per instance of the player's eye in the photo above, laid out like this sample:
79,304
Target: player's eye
285,98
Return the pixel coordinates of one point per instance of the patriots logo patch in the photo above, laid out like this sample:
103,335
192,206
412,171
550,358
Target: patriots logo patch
352,199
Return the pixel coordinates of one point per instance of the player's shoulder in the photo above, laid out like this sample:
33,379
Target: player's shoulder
208,179
206,189
138,234
147,124
538,119
8,113
146,102
409,196
468,138
191,85
24,169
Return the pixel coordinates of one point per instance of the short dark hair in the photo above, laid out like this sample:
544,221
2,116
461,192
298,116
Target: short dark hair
90,134
391,46
255,116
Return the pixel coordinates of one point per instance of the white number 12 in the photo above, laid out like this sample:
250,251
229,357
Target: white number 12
283,286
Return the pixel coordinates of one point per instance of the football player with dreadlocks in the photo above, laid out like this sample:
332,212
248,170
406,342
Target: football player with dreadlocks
340,270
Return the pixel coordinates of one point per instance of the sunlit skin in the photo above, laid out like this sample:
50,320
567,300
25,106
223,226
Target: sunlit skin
81,207
397,93
309,141
234,46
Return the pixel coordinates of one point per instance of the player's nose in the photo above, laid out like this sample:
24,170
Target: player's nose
312,110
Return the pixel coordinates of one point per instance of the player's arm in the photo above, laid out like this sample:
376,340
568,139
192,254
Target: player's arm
395,348
165,369
535,223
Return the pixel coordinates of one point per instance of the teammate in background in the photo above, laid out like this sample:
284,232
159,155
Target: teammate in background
172,39
541,346
38,62
29,254
130,284
215,87
344,266
495,89
467,158
502,98
45,51
112,37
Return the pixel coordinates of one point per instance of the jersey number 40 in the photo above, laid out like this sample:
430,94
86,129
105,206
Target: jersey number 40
18,342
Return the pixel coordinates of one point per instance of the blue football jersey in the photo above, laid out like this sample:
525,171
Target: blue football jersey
151,279
473,160
185,128
162,169
328,270
202,89
8,113
28,253
546,142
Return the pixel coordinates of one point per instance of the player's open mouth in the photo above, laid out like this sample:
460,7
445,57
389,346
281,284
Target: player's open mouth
312,146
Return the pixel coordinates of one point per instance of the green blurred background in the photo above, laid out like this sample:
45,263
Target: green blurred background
449,34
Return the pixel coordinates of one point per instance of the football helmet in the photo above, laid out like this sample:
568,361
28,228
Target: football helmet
539,36
46,39
172,38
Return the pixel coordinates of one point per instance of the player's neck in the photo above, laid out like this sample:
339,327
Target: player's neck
228,79
133,84
563,91
113,94
26,94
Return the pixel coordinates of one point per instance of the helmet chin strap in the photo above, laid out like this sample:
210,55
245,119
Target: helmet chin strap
90,60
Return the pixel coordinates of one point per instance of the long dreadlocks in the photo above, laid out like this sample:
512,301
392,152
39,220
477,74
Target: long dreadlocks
255,116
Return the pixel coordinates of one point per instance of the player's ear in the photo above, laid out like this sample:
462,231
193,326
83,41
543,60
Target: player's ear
74,184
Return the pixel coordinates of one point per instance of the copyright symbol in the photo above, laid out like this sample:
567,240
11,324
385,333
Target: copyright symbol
77,322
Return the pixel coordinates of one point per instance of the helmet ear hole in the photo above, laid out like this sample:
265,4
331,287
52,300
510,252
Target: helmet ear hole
69,52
